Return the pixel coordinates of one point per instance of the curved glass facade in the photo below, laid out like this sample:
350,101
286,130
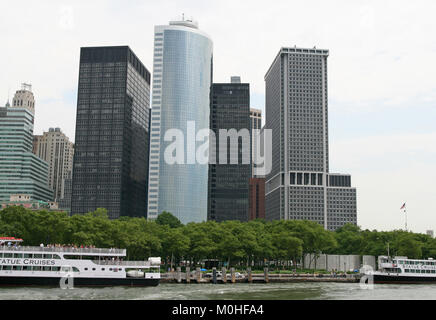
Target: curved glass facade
181,88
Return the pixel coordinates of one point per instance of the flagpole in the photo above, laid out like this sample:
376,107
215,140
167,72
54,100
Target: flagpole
405,212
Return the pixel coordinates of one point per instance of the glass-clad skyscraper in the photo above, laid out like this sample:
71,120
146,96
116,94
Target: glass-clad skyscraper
229,182
21,172
112,133
182,77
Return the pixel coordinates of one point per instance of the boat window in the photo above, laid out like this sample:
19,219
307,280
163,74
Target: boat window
18,255
8,255
7,268
93,269
47,256
37,256
55,256
427,271
27,268
46,268
75,269
110,269
433,271
86,269
16,268
55,268
27,255
102,269
36,268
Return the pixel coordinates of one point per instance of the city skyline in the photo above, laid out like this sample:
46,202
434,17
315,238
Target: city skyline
376,94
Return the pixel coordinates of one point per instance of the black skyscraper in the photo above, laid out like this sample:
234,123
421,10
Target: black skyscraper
112,133
228,197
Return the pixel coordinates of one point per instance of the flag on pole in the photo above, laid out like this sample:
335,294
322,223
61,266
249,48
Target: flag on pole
403,206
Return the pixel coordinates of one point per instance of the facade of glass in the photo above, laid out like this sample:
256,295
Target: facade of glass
300,186
112,133
181,86
229,183
21,172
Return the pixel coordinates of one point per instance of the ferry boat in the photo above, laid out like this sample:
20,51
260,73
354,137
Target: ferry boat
49,266
403,270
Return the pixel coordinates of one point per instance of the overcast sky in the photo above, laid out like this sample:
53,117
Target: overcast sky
382,86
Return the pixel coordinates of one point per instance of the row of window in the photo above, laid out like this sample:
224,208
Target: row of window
29,255
56,269
419,271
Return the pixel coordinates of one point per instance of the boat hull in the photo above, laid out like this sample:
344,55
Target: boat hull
77,282
378,278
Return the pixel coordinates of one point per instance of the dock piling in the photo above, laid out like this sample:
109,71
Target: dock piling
224,275
265,275
214,275
179,275
250,275
198,275
188,275
232,272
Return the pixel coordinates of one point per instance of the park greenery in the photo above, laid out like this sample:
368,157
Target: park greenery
239,244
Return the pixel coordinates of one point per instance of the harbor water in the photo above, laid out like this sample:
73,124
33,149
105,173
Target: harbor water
245,291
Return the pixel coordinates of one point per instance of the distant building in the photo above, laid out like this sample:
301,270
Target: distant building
228,197
112,133
300,186
182,79
65,201
26,201
430,233
57,150
257,198
21,171
255,123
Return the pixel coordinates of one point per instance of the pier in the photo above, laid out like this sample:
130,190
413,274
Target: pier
223,276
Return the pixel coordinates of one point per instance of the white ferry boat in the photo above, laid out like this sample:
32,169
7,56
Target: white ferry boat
47,266
404,270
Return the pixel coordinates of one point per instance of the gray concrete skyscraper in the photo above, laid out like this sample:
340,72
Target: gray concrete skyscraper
300,186
57,150
182,77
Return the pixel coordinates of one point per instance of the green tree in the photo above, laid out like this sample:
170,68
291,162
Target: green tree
166,218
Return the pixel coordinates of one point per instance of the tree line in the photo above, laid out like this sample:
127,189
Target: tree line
252,243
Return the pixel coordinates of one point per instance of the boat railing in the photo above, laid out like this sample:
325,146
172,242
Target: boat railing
64,250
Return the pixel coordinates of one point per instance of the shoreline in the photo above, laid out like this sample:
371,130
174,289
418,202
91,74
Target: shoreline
270,278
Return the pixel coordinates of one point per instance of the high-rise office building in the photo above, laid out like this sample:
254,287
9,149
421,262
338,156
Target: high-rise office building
256,118
182,78
57,150
21,171
255,124
112,133
300,185
229,183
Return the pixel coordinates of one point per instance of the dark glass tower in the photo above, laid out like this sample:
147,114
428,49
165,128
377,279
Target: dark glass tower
229,183
112,133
